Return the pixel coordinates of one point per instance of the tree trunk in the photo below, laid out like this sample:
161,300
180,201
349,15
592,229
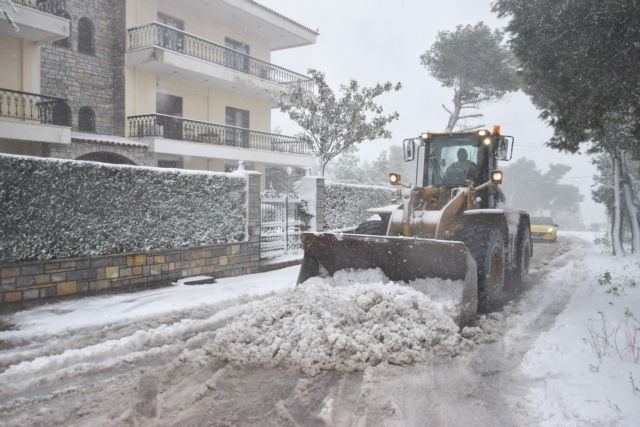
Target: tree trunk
631,209
323,166
616,226
455,114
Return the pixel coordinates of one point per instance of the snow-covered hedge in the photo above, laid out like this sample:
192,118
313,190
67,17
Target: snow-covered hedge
64,208
346,204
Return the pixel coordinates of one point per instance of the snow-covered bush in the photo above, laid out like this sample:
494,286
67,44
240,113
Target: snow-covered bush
64,208
346,204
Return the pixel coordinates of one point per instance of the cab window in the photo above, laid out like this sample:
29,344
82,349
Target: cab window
450,161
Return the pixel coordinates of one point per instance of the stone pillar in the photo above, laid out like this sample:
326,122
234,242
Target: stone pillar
253,213
311,190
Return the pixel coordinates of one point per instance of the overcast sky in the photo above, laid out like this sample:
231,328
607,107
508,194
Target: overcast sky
374,41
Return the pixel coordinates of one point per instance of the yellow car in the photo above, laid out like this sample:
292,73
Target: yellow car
543,229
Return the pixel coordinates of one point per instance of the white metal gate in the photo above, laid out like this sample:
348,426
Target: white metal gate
280,228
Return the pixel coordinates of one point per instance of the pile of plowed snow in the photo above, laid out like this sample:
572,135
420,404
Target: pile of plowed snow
348,322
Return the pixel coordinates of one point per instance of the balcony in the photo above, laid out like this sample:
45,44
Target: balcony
33,117
256,19
40,21
176,135
168,50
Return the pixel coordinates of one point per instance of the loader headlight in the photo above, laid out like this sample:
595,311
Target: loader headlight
394,178
486,142
482,133
425,136
550,230
496,177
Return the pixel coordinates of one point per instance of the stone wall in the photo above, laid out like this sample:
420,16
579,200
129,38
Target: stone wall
95,80
61,277
140,155
33,280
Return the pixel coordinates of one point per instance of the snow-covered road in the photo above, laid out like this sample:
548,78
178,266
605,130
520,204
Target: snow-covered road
147,359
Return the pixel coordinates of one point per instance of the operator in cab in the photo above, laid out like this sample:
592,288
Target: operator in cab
462,170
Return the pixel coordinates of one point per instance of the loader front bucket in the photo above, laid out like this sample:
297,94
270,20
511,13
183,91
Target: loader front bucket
400,259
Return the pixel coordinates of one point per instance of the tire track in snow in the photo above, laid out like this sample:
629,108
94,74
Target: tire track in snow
193,389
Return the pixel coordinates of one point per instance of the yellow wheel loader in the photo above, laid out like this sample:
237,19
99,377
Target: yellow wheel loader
450,225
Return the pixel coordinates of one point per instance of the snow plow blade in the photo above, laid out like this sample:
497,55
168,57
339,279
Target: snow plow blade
400,259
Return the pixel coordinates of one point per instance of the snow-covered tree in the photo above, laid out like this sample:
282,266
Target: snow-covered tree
8,11
349,168
540,193
619,175
580,63
474,62
332,124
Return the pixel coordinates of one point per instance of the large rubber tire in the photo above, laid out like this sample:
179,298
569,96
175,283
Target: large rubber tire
486,244
521,268
374,227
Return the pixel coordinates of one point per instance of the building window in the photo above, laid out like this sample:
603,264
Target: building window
170,105
170,38
175,164
86,36
86,120
62,114
66,43
171,21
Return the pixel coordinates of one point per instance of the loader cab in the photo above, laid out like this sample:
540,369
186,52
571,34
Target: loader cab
448,160
451,160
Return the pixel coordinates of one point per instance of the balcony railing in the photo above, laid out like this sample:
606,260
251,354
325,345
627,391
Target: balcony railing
157,34
33,107
170,127
54,7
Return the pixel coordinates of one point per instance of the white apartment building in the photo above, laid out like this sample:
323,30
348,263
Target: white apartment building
186,84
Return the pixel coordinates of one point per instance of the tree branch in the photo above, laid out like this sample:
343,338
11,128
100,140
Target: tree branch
472,128
446,109
470,115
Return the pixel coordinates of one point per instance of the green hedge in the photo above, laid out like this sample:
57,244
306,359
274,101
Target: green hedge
65,208
346,204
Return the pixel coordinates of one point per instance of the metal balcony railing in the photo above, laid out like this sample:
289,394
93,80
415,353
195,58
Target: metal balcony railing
54,7
33,107
170,127
164,36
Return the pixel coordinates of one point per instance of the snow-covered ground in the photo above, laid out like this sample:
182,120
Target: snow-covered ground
586,369
52,319
251,350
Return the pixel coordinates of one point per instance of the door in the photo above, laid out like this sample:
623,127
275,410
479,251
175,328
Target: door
237,59
170,105
240,119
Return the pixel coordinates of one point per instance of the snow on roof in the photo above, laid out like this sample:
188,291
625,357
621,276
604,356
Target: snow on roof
106,139
283,17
